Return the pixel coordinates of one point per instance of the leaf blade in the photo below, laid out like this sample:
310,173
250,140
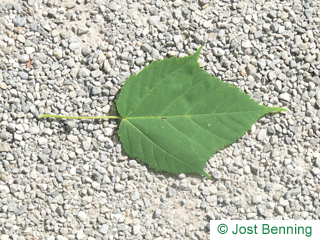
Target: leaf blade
178,118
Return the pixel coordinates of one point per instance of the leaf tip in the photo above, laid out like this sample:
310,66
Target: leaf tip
205,174
275,109
196,54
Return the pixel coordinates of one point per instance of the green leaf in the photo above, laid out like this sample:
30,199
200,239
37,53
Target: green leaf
175,116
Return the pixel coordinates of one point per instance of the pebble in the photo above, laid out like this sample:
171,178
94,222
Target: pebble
42,141
251,70
74,46
23,75
19,21
154,20
57,53
77,171
95,90
84,72
262,134
82,216
285,97
82,31
4,147
140,61
119,188
86,51
23,58
256,199
104,229
218,52
113,6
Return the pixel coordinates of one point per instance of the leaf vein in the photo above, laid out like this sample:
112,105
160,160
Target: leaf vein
160,146
189,89
187,136
161,82
213,134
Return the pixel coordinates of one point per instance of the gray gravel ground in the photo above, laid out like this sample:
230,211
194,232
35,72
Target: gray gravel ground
72,180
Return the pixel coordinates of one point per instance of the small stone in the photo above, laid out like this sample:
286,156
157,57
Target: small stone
256,199
203,2
95,90
172,53
23,58
23,75
177,3
279,210
119,188
3,85
254,168
52,13
198,38
309,58
309,12
136,229
146,47
246,44
70,125
29,50
73,138
247,169
63,167
71,4
157,213
217,175
155,53
70,63
272,14
4,147
251,70
57,53
218,52
82,216
86,51
110,17
171,192
154,20
74,46
60,237
262,134
74,72
5,237
21,38
42,141
104,228
285,97
84,72
113,6
262,63
135,196
97,73
19,21
140,61
258,34
82,30
132,163
272,75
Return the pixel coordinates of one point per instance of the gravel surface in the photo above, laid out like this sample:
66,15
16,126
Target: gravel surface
72,180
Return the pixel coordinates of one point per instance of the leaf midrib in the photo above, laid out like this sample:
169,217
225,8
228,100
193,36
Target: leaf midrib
191,115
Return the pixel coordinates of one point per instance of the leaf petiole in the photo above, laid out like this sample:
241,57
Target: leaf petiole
77,117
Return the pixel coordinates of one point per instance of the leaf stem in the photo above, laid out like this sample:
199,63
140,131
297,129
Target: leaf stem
75,117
